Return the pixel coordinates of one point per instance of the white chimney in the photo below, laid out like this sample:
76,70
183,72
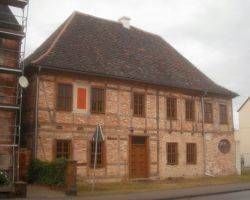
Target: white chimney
125,21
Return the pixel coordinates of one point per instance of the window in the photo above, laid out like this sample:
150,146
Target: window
63,149
223,114
64,97
171,108
189,110
191,153
224,146
208,112
2,97
172,153
98,100
1,58
139,104
99,154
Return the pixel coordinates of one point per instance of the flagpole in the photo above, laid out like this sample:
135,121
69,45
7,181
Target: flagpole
95,160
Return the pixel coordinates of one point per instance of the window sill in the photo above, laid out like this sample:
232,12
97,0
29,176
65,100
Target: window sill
171,164
208,123
97,113
189,120
137,116
172,119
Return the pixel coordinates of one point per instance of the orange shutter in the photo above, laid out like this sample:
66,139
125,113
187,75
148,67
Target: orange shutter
81,98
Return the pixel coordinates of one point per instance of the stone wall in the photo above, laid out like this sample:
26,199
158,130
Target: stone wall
118,124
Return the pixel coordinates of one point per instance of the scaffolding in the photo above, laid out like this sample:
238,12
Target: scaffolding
13,26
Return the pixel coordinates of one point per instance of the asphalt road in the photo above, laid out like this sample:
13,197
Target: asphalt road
245,195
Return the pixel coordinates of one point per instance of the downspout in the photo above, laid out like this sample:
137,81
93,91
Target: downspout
203,134
158,131
36,112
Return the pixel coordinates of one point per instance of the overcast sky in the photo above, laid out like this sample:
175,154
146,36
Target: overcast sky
213,34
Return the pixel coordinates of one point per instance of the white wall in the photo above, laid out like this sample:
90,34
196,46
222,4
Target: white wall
244,132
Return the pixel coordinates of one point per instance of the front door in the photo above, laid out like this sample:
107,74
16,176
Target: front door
138,157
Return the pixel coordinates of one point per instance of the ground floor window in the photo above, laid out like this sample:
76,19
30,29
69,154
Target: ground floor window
63,149
191,153
172,153
98,150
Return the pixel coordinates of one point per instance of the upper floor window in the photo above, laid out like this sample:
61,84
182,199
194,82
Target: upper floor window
139,104
63,149
171,108
208,112
98,100
97,154
189,110
223,114
191,153
172,153
64,97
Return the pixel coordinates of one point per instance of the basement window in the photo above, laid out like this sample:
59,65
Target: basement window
172,153
191,153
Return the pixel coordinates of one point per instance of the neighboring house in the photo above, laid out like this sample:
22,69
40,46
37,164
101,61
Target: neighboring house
11,35
244,132
147,97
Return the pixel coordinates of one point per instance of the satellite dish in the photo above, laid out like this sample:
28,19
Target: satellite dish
23,82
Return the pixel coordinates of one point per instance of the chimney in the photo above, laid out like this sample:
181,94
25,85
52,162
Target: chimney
125,21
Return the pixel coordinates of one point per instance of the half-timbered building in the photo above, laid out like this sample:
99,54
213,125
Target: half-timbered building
160,116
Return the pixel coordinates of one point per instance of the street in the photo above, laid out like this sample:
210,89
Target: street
244,195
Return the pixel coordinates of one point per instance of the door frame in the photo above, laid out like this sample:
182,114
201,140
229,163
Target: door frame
147,155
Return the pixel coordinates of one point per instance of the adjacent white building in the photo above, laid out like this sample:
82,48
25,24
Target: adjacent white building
243,134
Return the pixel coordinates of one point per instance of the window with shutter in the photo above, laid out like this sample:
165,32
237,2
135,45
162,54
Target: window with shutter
98,100
99,154
223,114
64,97
190,110
171,108
191,153
208,112
63,149
172,153
139,104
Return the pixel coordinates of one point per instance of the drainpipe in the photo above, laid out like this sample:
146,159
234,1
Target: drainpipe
158,131
203,133
36,112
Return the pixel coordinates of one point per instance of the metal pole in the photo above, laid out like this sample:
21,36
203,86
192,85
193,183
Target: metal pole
95,160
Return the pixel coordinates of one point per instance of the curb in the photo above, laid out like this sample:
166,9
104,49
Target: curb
203,194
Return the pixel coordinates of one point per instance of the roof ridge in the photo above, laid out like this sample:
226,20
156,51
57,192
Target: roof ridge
56,39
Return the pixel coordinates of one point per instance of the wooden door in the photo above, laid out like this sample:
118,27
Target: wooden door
138,157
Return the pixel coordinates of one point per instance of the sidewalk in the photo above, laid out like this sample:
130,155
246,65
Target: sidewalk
37,192
176,194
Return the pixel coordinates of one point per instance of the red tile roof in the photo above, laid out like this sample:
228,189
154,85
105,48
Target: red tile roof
92,45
